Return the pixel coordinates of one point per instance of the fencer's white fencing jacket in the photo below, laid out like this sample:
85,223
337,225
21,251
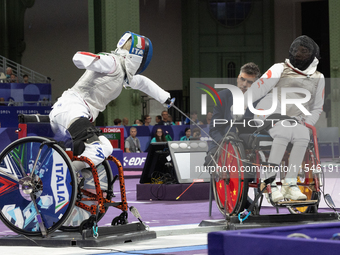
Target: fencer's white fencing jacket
284,75
104,78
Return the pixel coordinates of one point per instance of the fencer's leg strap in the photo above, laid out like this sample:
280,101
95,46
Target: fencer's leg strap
270,173
295,160
82,131
272,177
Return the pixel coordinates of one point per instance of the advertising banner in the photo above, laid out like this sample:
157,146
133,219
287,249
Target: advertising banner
134,160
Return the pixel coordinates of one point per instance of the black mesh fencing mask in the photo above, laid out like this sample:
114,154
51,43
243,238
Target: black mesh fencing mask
302,52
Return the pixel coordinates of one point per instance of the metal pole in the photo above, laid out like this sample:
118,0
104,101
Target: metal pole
6,44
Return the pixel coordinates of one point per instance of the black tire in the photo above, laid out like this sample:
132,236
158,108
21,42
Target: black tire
231,182
52,188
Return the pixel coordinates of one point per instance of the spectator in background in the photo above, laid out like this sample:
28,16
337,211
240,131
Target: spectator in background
44,102
170,120
25,78
168,136
249,72
137,122
9,72
196,134
207,120
117,122
193,117
147,120
132,143
11,102
13,79
187,135
165,120
158,119
2,101
160,137
125,121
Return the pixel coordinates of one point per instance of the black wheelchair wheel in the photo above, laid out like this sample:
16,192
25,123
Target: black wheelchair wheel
39,186
230,186
80,215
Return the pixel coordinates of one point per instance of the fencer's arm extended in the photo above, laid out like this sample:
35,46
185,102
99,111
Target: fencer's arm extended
262,86
98,63
147,86
318,103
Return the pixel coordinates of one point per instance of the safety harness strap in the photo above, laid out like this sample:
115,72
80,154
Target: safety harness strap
83,131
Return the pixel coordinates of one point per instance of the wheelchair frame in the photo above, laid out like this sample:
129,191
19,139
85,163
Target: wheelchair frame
79,198
230,188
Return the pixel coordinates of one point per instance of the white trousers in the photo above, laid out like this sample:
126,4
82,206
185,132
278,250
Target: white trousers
283,133
65,111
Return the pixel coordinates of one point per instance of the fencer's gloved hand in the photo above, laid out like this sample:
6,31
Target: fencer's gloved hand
236,117
169,102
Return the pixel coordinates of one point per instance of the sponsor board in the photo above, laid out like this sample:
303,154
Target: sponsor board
134,160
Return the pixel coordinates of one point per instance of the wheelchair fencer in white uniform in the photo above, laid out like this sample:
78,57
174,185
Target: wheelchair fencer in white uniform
299,71
105,76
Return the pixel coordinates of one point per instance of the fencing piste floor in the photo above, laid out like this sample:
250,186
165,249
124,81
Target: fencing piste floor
176,224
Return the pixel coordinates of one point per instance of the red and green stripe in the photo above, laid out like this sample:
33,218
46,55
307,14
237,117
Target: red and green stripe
138,42
213,90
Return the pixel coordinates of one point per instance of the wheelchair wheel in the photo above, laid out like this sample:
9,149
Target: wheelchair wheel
38,188
80,215
307,184
229,186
